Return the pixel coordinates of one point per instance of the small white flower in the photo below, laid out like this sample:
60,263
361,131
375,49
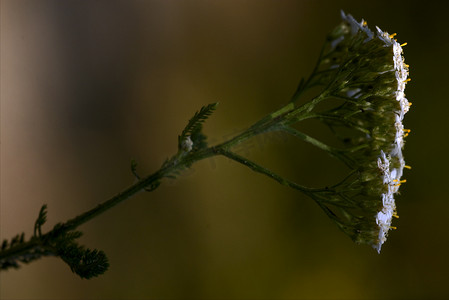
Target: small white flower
356,26
384,36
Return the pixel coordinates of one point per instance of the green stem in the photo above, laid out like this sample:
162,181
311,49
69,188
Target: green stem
304,85
339,120
334,152
308,139
259,169
149,181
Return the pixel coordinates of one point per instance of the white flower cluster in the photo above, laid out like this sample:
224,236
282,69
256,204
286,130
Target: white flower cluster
391,174
384,217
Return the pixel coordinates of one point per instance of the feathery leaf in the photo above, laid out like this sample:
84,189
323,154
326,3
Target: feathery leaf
197,120
41,219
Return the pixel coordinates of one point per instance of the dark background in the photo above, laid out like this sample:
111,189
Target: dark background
86,86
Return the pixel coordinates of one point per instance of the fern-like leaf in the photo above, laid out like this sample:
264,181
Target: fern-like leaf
86,263
61,242
41,219
197,120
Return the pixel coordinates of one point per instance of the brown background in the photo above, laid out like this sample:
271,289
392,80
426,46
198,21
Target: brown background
88,85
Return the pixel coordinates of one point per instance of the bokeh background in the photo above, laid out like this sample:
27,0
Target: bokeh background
86,86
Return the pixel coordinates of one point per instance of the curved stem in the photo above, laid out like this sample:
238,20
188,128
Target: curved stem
259,169
339,120
334,152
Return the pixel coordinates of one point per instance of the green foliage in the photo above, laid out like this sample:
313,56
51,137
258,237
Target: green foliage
7,245
86,263
199,139
41,219
194,126
60,241
20,249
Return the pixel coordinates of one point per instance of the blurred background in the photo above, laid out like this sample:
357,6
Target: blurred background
86,86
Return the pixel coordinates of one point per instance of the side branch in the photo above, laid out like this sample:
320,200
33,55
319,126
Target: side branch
259,169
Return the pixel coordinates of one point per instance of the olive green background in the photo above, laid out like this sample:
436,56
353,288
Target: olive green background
86,86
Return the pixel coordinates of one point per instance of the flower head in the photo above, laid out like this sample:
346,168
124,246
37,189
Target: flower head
367,72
